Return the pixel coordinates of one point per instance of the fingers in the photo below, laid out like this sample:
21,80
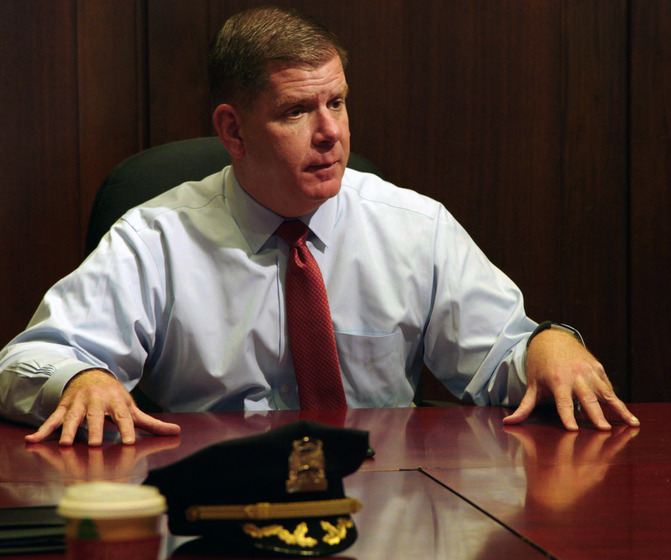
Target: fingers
155,426
592,392
616,405
563,368
94,406
525,408
73,419
590,405
122,414
566,410
90,398
126,418
50,425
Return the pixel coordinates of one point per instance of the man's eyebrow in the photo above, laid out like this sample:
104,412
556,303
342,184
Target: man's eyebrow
285,102
289,101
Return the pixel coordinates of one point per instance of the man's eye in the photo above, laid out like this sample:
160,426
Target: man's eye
295,112
337,103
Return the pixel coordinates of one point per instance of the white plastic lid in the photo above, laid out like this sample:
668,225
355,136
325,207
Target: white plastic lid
110,500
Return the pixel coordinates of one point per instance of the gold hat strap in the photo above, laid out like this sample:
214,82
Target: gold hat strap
265,510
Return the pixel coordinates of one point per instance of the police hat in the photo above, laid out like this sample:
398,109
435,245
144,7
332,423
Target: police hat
277,493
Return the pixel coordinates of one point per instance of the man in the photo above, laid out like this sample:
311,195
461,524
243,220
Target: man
185,294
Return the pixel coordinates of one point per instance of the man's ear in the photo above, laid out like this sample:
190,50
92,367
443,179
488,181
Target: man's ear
227,123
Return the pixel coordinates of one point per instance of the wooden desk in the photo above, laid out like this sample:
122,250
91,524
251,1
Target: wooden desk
580,495
454,476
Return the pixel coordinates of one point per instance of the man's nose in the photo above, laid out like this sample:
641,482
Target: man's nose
329,127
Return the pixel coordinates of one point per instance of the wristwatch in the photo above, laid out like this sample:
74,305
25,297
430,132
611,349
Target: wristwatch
545,325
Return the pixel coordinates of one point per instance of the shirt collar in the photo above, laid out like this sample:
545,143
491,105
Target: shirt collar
257,223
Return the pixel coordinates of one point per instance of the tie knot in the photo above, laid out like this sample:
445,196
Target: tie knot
294,232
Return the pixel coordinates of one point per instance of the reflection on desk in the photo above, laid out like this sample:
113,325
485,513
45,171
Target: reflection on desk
586,494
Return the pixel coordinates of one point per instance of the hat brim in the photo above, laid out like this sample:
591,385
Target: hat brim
313,536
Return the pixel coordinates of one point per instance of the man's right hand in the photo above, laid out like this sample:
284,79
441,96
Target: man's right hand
94,395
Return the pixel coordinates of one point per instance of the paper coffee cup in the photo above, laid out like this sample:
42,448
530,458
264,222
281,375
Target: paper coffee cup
108,520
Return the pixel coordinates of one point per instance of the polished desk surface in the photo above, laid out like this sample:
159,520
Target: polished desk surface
446,482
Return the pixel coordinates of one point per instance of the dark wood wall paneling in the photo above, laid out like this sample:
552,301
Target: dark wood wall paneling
514,114
178,36
650,239
111,48
39,166
594,264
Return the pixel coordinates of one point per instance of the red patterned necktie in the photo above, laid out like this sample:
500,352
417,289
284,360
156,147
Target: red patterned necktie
311,337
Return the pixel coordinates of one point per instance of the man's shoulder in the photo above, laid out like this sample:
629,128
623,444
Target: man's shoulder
189,196
369,189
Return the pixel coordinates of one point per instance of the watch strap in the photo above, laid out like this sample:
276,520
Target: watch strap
545,325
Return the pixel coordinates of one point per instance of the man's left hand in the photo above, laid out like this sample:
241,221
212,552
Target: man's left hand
559,366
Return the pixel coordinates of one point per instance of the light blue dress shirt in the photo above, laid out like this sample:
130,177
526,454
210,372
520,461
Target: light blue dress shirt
185,297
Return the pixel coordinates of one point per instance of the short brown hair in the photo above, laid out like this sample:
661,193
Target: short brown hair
249,41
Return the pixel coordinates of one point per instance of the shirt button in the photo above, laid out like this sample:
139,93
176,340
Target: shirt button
285,389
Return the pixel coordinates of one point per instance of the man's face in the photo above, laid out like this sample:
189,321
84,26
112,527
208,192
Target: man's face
295,139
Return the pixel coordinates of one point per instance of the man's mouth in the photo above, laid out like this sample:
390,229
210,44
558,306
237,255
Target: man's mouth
320,166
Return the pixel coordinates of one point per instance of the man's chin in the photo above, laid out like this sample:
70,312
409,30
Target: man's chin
325,190
324,183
